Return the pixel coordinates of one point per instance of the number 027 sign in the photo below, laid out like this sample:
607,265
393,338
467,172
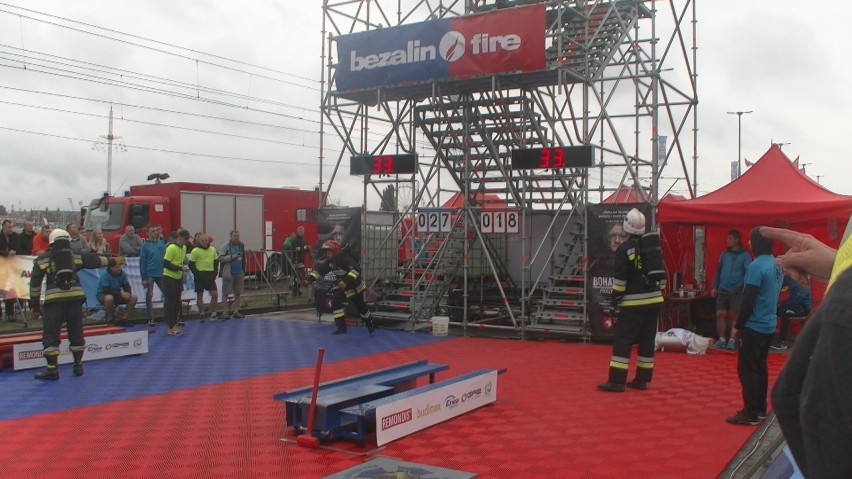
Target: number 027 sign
499,221
434,221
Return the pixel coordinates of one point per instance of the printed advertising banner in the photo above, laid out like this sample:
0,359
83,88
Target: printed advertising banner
15,281
342,225
403,417
606,234
15,277
29,355
508,40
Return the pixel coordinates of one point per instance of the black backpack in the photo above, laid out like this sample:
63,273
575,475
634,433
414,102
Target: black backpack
63,269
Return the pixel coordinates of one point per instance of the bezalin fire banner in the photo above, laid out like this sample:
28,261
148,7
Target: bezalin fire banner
507,40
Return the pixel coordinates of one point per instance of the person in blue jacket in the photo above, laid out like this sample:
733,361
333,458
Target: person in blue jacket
728,287
151,266
798,303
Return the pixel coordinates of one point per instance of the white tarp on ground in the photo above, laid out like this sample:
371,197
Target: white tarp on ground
681,340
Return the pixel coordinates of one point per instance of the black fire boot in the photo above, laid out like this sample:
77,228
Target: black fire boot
78,362
340,326
51,372
611,387
370,323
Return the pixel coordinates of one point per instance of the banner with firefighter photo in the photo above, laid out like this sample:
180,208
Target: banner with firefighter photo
344,226
606,233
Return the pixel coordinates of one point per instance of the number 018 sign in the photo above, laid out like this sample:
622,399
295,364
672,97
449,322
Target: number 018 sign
434,221
499,221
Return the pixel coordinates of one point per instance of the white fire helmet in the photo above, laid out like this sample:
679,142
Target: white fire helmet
634,222
60,234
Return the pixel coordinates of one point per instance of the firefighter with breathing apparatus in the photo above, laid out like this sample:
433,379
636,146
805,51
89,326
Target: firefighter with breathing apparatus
63,298
350,286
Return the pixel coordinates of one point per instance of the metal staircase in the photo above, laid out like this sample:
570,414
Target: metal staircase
590,38
563,305
432,286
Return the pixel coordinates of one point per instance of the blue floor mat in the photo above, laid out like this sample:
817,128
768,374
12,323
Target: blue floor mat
209,353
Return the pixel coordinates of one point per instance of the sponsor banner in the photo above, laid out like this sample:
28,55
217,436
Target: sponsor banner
30,355
403,417
606,234
15,277
89,280
508,40
15,282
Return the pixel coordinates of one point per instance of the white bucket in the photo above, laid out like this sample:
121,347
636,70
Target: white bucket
440,325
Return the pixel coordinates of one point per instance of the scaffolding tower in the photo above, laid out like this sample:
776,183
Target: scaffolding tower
620,76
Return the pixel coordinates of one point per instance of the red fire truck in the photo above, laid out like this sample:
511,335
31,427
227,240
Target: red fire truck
263,216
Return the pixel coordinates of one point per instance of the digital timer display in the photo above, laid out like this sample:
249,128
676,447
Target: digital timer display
553,158
383,164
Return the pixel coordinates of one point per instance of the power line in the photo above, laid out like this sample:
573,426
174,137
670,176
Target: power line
239,62
138,75
211,117
146,89
198,130
30,67
162,110
162,150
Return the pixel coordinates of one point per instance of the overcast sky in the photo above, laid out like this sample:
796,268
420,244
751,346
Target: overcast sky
781,59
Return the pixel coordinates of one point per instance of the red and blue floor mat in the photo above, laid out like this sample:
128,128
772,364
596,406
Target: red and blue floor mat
201,406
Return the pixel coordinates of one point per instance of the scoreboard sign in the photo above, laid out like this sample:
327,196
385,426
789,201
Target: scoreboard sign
434,220
499,221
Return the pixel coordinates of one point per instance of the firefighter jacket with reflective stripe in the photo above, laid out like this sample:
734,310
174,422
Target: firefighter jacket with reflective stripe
43,270
344,268
633,286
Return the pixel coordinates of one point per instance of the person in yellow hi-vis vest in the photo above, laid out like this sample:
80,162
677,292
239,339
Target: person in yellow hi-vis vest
173,268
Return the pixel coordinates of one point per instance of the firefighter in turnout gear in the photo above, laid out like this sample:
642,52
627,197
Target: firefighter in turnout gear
638,283
63,299
349,286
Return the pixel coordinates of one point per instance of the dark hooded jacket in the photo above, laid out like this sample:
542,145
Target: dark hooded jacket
812,396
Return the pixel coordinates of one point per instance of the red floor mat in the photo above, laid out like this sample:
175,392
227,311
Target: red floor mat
549,421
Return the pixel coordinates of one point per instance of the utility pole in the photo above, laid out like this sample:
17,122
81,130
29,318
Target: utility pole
111,141
739,139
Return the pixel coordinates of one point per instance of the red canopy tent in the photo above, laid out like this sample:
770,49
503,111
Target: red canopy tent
773,192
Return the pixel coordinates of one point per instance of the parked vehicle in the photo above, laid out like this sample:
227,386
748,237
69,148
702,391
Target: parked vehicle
263,216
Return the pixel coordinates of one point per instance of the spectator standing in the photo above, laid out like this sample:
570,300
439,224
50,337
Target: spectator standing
113,290
204,263
130,243
286,269
26,239
173,269
63,300
638,282
151,267
99,244
78,242
8,249
755,327
728,287
232,256
42,241
798,303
